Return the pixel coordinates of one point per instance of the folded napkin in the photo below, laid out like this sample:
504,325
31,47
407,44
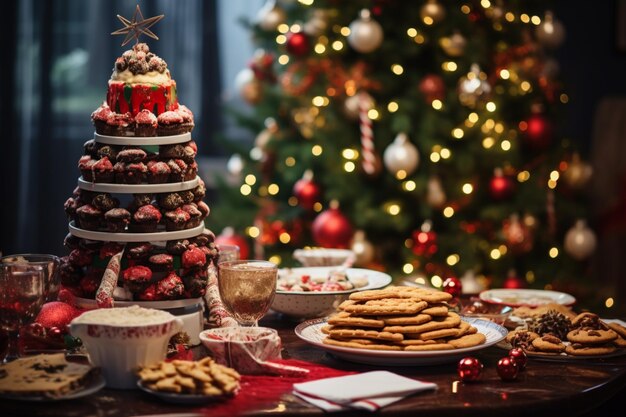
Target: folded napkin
367,391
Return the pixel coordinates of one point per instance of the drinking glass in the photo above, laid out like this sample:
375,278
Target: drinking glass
22,293
50,263
228,253
247,289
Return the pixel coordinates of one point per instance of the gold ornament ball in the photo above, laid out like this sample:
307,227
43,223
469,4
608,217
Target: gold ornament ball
454,45
432,12
580,241
578,173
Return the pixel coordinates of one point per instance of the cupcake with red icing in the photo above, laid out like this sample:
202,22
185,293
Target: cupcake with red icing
145,123
103,171
158,172
100,117
170,287
176,219
89,217
195,216
178,169
85,165
137,277
161,262
193,258
120,124
117,219
145,219
131,154
170,123
187,116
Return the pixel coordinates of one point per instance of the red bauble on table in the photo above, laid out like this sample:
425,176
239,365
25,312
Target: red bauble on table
229,237
56,314
539,132
453,286
501,186
307,191
298,44
332,229
469,369
507,369
520,358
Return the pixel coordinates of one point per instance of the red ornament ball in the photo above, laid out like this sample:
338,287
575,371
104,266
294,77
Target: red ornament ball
501,187
56,314
539,132
519,356
469,369
229,237
332,229
307,191
36,329
507,369
298,44
453,286
432,87
513,282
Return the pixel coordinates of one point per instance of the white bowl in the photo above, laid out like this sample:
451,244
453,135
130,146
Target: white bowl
324,256
120,340
314,304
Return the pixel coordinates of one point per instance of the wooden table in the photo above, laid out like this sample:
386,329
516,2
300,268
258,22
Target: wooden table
544,388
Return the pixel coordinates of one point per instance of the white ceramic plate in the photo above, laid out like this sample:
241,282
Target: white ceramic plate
532,298
310,331
180,398
170,187
140,140
95,385
136,237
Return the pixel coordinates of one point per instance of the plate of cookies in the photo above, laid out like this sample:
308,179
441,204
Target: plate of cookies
525,297
399,325
558,336
189,382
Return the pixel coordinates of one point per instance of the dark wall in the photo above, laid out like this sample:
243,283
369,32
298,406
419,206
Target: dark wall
592,67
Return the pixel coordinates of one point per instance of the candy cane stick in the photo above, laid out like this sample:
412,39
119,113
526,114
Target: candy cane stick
367,134
104,295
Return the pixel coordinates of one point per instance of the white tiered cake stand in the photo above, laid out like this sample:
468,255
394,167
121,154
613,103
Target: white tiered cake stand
189,310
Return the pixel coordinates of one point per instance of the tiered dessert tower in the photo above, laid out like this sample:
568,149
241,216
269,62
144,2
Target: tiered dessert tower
136,230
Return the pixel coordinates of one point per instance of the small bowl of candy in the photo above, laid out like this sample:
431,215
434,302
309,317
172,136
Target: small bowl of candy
306,293
324,257
476,308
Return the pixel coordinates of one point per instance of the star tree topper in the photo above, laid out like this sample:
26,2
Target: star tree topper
135,28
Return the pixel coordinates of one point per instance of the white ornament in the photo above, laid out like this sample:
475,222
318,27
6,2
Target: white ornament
435,196
433,10
235,164
366,34
270,16
317,23
401,155
580,241
551,32
470,284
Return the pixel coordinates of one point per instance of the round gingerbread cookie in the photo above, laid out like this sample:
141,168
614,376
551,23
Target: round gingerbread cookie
521,338
577,349
591,337
548,343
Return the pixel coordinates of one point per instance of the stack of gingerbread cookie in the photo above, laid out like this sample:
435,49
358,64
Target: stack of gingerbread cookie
400,318
585,335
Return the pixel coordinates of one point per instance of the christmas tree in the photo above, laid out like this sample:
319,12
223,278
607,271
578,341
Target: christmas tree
423,135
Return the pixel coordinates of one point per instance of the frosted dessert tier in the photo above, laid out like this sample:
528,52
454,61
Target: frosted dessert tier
138,188
158,236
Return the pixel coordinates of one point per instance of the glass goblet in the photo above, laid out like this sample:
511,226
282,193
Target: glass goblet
22,293
50,263
247,289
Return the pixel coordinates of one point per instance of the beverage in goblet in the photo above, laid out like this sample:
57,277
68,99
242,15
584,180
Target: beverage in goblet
49,263
228,253
247,289
22,294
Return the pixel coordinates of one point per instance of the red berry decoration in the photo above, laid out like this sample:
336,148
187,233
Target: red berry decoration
307,191
469,369
56,314
520,358
501,187
298,44
331,228
507,369
453,286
